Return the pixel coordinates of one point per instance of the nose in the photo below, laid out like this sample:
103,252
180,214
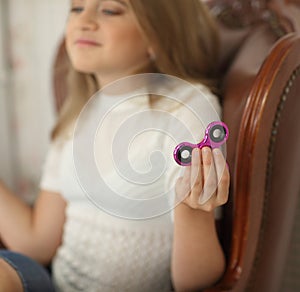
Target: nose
88,20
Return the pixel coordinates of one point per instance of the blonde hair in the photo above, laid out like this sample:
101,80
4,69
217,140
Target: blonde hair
183,36
185,42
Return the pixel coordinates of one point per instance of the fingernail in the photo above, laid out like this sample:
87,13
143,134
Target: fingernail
196,153
217,151
206,150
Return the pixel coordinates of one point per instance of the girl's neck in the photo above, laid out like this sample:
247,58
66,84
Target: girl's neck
105,78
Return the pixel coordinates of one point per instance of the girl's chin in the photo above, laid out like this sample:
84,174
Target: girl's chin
84,69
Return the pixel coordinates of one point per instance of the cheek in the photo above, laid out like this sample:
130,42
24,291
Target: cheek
132,41
135,36
70,49
68,35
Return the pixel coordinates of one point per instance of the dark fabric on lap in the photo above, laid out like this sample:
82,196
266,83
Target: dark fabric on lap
34,277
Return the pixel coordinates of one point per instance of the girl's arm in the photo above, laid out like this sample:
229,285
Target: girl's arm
34,231
198,260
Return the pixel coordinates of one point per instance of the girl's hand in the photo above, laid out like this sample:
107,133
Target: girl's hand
205,183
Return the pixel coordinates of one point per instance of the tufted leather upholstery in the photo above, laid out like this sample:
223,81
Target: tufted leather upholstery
261,91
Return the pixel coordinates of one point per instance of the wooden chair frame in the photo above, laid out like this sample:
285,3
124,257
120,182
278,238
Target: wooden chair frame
258,179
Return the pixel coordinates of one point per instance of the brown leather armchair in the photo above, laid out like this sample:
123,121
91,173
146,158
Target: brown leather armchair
264,158
261,92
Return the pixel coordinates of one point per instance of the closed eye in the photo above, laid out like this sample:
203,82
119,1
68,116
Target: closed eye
76,9
111,12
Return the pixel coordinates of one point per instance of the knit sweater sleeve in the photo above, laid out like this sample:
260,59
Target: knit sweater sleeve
51,176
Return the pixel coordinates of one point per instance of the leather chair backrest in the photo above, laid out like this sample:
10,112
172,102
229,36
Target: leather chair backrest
261,108
259,77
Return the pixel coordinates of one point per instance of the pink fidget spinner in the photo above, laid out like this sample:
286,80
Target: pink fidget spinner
216,134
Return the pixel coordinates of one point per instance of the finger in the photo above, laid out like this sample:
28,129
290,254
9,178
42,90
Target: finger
209,175
196,176
223,176
183,186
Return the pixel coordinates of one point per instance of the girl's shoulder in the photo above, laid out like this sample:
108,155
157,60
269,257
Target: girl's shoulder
193,96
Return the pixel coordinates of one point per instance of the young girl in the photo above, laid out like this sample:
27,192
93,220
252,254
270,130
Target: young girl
93,250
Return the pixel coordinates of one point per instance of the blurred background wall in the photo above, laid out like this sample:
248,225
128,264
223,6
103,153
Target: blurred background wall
30,31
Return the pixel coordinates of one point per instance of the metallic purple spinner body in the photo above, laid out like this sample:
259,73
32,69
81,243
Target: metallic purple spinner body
216,135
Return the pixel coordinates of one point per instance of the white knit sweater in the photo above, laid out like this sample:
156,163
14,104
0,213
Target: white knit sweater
105,253
102,252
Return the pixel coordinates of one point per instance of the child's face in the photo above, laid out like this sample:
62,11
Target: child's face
103,38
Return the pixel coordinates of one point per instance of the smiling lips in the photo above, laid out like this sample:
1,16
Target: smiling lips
87,43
